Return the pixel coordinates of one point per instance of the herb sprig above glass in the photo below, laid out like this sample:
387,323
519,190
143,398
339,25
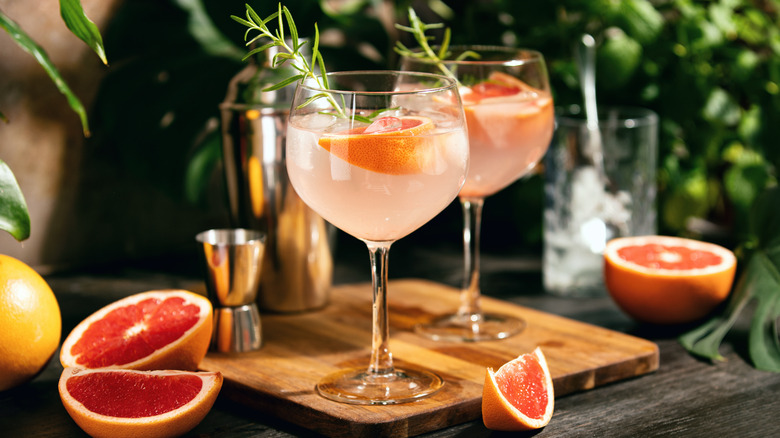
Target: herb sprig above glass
427,53
289,50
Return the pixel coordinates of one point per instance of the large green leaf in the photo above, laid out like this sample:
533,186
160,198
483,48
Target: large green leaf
81,26
759,285
13,209
30,46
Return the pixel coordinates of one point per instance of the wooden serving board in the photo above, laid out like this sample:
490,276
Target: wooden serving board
298,349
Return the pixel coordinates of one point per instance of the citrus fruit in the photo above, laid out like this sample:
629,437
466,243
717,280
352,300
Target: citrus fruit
498,85
519,396
392,145
154,330
30,325
128,403
667,280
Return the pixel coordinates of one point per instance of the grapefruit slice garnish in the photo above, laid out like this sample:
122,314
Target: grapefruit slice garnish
497,87
519,396
167,329
667,280
392,145
128,403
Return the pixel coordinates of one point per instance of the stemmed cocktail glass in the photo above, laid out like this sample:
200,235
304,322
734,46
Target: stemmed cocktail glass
510,117
378,154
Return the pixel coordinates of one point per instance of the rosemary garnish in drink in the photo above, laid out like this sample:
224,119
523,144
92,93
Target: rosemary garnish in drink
288,51
417,28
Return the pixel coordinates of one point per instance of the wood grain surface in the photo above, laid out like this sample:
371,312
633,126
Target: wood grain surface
298,349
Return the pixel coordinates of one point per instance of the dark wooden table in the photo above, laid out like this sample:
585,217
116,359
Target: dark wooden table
685,397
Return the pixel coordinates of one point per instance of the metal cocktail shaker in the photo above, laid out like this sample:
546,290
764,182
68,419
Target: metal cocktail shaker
298,262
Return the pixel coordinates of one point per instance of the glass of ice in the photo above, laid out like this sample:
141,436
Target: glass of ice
596,191
509,113
378,154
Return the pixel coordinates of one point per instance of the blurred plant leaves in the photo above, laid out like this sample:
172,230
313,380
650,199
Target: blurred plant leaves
14,217
30,46
758,288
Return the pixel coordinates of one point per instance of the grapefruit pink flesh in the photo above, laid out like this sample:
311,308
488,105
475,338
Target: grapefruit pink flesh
132,332
114,394
523,383
669,257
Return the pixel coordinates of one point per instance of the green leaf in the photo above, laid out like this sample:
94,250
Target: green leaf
764,345
641,19
81,26
284,83
704,340
14,217
30,46
759,283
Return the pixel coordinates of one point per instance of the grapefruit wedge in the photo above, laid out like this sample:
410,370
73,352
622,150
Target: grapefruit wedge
154,330
391,145
519,396
667,280
127,403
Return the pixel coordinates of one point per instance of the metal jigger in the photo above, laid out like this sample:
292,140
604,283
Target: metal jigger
233,260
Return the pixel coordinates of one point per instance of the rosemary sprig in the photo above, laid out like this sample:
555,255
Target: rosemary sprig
288,52
418,29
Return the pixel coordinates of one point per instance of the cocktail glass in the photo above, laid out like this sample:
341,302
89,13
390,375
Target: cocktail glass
510,117
378,180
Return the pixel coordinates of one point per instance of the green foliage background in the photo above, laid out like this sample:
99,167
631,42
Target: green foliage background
710,69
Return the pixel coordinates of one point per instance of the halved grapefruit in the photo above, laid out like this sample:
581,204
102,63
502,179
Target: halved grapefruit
520,395
154,330
127,403
667,280
392,145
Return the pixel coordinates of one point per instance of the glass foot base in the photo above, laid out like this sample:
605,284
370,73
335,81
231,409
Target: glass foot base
357,386
471,328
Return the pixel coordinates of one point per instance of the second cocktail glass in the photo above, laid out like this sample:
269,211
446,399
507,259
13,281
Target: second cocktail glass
378,154
510,117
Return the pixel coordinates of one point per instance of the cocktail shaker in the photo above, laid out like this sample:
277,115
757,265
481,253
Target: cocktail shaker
298,262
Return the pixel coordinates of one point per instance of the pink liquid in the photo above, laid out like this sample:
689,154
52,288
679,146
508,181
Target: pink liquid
507,137
376,205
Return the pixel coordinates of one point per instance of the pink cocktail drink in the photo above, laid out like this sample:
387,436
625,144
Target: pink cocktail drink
510,118
378,154
380,185
510,127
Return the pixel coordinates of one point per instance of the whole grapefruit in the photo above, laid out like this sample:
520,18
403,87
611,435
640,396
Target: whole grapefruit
30,326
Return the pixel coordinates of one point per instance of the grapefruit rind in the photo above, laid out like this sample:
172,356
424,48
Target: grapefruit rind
499,414
184,353
667,296
170,424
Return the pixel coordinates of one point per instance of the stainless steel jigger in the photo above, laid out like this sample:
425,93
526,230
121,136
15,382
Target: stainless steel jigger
233,260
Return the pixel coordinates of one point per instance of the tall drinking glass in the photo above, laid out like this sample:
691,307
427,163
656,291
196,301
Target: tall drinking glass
510,117
378,154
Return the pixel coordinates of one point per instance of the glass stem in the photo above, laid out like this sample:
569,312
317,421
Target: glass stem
381,358
472,221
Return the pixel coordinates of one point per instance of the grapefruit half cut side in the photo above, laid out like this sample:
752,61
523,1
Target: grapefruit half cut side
128,403
667,280
154,330
520,395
